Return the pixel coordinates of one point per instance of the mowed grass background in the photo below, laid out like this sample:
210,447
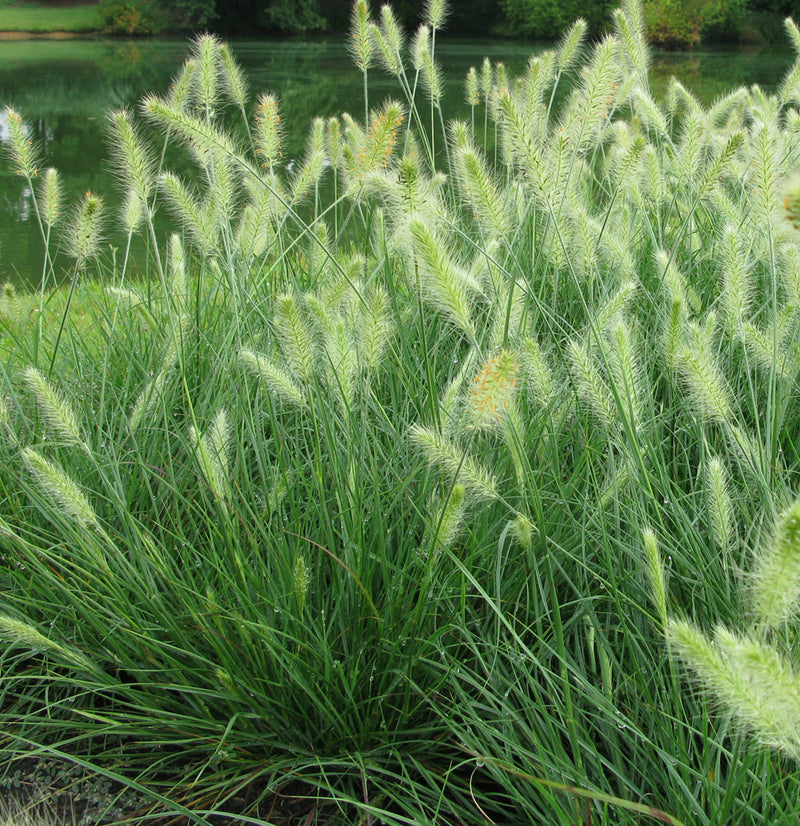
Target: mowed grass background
31,17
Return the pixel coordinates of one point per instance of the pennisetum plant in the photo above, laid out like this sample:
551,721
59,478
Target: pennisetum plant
369,492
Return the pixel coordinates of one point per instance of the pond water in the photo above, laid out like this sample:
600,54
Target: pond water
63,89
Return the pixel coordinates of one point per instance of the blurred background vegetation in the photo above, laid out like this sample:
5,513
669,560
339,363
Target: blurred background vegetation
670,23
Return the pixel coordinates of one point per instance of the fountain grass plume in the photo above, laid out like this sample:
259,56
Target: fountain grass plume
371,151
375,327
447,520
656,575
268,131
442,282
51,197
569,48
493,390
430,72
362,45
131,213
295,336
233,78
435,13
472,91
340,362
212,451
276,380
480,190
179,278
592,104
61,489
203,139
704,381
135,162
55,409
592,387
455,462
83,235
308,176
22,149
20,633
753,680
775,585
84,232
539,378
766,148
720,504
736,294
390,43
195,216
206,86
625,368
10,305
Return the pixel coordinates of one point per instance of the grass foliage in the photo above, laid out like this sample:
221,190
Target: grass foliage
396,486
30,17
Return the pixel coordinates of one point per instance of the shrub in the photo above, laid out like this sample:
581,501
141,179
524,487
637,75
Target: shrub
680,24
130,17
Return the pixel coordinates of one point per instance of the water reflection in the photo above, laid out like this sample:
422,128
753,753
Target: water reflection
63,88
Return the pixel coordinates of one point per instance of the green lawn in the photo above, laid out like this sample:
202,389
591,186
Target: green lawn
31,18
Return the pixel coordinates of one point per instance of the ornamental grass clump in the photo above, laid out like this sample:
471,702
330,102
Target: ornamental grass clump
379,487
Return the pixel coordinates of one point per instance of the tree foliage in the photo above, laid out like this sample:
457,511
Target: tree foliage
547,18
680,24
294,16
670,23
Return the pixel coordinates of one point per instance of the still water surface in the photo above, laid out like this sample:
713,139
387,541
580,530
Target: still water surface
63,88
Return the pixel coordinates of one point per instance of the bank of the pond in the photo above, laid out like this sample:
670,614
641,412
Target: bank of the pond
751,26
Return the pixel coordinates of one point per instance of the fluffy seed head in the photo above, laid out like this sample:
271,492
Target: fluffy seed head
435,13
277,381
131,212
301,581
51,197
361,41
454,462
473,87
60,488
450,517
211,450
206,86
389,41
232,76
720,507
753,680
268,130
84,232
493,389
55,410
133,160
776,578
10,307
21,149
655,571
